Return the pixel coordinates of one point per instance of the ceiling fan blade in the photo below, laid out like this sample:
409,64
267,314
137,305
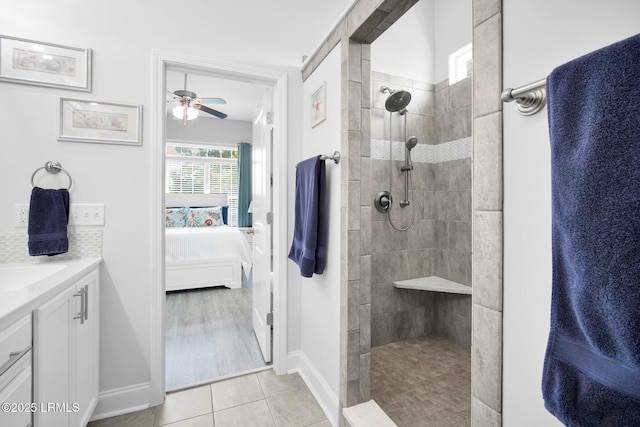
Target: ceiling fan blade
211,111
212,101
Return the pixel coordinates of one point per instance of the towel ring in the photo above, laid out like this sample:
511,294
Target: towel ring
52,167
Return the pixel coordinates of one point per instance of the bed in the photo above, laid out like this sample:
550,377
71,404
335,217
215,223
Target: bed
203,256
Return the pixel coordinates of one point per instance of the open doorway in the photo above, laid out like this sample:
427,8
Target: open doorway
230,75
212,158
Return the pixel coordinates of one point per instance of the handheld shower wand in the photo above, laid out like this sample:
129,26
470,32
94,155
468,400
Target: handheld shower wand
407,168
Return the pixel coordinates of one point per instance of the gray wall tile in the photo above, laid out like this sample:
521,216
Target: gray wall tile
486,364
483,416
487,270
483,9
380,334
460,94
365,376
460,236
487,163
487,56
353,305
365,329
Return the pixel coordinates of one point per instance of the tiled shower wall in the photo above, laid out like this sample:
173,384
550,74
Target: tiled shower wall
439,241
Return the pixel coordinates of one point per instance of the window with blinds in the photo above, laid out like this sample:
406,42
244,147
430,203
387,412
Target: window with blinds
194,169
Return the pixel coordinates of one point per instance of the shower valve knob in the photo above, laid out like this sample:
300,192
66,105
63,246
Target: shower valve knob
383,201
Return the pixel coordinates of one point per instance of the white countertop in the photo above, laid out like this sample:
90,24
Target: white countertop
16,302
435,284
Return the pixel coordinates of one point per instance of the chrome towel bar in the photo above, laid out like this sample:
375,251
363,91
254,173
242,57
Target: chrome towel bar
335,157
51,167
529,99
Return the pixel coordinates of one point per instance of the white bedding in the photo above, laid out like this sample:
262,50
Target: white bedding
198,243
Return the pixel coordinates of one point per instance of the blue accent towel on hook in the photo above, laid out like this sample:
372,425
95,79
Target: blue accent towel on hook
48,219
309,247
591,373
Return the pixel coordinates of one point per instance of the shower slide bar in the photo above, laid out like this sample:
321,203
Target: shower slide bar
529,99
335,157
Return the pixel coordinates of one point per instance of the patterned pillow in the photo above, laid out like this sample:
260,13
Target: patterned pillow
175,217
205,217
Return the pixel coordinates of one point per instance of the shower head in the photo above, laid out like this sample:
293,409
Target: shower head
397,101
411,142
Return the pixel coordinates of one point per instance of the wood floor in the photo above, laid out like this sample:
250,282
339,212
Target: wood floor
209,335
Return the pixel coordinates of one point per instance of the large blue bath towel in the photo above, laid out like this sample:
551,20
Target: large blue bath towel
309,247
48,218
592,366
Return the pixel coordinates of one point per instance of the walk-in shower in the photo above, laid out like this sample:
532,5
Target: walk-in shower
397,102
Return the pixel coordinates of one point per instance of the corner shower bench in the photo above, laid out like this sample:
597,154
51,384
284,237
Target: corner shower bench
435,284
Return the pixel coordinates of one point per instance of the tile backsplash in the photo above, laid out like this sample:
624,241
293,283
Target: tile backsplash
82,244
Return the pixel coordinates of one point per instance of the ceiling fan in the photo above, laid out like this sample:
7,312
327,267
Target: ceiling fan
189,104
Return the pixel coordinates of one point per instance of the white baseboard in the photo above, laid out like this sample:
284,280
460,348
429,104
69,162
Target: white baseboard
122,401
298,362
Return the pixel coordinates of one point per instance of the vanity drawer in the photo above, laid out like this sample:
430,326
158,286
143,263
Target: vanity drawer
14,339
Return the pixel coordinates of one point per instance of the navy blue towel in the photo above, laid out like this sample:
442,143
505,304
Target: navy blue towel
48,218
591,372
309,247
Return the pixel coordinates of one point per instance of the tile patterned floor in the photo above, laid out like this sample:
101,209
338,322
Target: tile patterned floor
255,400
424,381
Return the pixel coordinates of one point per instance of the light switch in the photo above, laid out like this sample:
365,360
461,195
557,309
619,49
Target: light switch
86,214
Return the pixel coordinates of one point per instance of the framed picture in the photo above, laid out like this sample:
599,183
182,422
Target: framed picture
44,64
319,105
101,122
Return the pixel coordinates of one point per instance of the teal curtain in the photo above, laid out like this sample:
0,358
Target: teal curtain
244,184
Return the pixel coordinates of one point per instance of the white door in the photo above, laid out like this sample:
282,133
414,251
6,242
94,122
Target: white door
261,216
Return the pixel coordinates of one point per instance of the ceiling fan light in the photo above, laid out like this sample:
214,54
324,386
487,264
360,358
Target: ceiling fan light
178,112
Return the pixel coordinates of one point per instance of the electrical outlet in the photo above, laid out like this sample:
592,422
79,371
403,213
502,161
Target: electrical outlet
20,215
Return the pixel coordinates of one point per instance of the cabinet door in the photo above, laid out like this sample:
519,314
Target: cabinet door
85,355
53,329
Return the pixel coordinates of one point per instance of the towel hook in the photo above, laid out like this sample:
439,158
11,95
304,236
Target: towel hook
52,167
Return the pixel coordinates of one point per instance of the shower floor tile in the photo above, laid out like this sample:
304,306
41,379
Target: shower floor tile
424,381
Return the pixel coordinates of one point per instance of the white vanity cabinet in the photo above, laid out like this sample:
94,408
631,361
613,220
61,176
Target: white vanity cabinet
65,355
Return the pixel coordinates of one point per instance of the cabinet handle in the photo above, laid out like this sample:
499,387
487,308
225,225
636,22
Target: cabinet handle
82,304
14,356
86,302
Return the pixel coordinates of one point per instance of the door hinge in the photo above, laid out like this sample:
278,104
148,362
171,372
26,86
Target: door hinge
269,218
269,118
270,319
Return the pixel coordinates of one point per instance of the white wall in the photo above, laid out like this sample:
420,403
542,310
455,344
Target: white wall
418,45
567,29
123,35
452,31
320,294
407,48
